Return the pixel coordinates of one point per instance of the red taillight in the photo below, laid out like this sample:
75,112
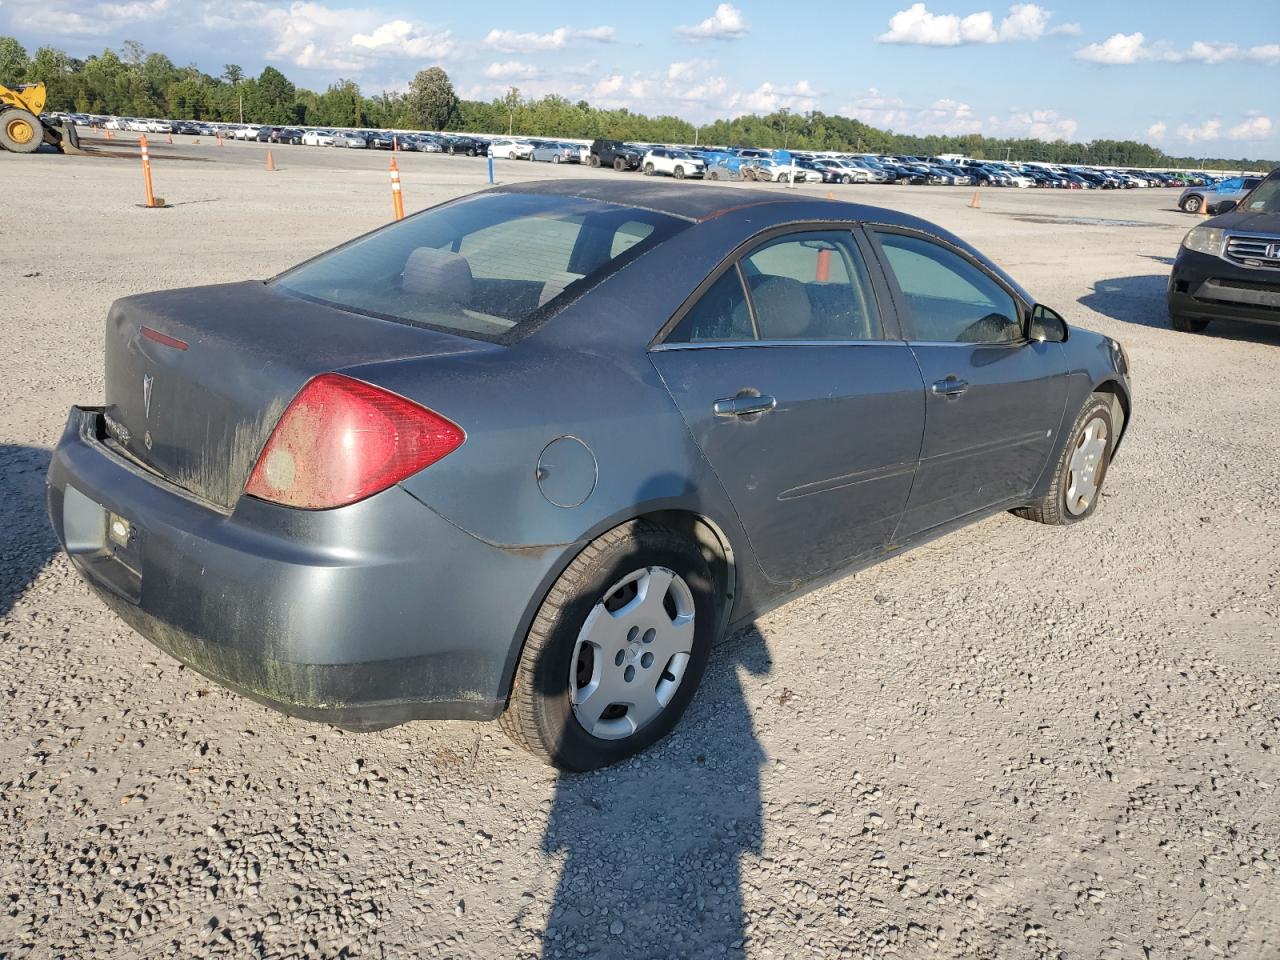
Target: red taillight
342,440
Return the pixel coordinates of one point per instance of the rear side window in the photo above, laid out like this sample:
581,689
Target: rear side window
491,266
800,286
950,300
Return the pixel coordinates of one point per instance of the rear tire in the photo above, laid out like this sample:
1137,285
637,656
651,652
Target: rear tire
20,131
1081,468
561,669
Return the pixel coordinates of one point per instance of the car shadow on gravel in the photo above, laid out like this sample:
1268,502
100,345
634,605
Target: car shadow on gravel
653,847
1141,300
28,542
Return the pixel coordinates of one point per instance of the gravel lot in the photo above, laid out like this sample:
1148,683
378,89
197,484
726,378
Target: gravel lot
1014,742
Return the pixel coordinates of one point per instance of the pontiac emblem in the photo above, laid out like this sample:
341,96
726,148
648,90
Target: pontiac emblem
147,381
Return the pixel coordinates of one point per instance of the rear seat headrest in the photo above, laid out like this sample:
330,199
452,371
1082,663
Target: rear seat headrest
440,275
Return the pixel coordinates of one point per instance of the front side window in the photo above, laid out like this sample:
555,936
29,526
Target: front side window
490,266
1265,197
949,299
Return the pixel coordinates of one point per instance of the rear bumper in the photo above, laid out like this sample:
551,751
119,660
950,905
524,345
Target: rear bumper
363,617
1210,288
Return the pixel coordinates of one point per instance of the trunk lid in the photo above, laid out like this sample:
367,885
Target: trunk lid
196,379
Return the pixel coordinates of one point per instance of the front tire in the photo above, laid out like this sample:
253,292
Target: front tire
20,131
1081,469
1187,324
616,651
1193,204
648,169
678,172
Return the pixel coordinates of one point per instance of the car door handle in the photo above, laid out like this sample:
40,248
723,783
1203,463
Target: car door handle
743,405
950,387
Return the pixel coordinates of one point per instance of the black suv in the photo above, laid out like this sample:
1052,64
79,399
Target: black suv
1229,267
616,154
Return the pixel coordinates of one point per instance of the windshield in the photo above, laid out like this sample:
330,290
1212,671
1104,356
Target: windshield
491,266
1265,197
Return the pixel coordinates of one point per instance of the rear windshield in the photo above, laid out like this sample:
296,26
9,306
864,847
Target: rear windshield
491,266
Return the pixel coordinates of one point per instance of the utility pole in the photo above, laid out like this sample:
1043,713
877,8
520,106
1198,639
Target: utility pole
1008,152
242,107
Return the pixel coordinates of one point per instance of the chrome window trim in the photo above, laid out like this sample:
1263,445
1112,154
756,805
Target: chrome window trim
738,344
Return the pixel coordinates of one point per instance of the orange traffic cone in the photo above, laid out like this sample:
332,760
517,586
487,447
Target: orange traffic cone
271,163
830,195
975,203
397,199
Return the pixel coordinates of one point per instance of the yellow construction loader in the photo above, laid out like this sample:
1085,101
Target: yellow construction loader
21,128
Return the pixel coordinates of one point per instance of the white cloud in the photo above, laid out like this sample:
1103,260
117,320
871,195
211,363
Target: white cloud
511,41
62,19
916,25
1157,130
956,118
400,38
1066,30
1255,128
510,70
1122,49
607,86
1209,130
727,23
798,97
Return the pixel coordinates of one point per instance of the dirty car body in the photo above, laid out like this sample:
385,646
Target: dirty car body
586,384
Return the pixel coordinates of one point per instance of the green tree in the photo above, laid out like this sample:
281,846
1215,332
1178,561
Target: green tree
431,101
277,97
13,61
232,73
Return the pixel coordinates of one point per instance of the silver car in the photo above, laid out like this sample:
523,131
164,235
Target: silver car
1193,199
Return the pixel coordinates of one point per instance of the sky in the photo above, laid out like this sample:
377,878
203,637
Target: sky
1170,72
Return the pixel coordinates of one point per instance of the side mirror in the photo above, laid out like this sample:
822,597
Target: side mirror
1222,206
1047,326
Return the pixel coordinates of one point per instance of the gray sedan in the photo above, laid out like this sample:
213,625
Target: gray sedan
528,454
556,153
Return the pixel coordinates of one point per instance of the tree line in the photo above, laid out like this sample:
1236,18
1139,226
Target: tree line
133,82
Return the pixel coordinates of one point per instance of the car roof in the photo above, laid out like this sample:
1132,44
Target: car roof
705,202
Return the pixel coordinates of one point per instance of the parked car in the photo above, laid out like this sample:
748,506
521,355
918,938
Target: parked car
470,146
676,163
614,153
317,138
1228,267
430,475
267,134
290,135
505,148
349,138
421,142
552,151
1233,188
382,140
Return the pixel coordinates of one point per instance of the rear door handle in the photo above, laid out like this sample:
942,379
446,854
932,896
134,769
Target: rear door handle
743,405
950,387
